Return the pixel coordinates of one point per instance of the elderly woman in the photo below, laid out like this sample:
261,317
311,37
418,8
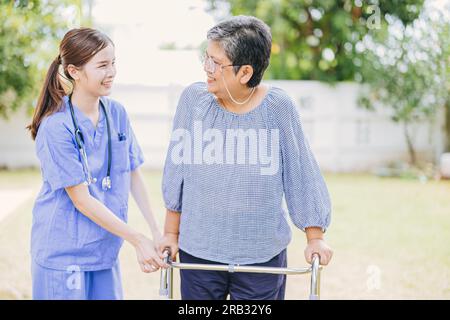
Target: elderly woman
237,148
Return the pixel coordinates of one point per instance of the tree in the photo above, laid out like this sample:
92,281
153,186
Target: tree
406,69
316,39
29,35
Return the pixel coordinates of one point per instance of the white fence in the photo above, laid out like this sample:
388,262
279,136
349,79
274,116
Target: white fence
344,137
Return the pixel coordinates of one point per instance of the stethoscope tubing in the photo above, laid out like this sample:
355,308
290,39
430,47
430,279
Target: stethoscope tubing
106,182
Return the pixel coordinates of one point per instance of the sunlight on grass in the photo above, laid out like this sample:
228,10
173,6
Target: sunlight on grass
390,239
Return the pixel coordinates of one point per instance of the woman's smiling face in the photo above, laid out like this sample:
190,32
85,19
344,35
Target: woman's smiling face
223,69
97,75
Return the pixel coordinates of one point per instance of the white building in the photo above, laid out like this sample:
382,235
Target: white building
343,137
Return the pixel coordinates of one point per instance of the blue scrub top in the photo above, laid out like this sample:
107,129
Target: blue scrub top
62,236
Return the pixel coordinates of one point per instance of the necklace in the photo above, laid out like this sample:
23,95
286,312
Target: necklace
231,97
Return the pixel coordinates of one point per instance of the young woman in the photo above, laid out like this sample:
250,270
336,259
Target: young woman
89,162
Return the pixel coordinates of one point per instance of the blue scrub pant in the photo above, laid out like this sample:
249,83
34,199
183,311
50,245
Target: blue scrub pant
216,285
49,284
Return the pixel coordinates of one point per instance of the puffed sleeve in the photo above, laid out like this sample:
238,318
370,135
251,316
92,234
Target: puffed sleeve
135,152
305,191
59,156
172,180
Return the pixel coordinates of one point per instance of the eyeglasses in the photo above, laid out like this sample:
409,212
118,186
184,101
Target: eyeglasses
210,66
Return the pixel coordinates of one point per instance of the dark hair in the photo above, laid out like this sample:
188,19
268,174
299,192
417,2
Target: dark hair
77,47
246,40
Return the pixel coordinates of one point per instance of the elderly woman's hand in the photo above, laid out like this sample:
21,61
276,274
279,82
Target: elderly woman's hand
170,241
320,247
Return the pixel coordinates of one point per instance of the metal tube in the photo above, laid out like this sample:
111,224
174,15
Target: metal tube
170,282
166,280
238,268
163,293
315,278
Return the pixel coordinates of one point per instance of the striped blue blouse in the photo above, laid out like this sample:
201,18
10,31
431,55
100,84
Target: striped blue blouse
227,174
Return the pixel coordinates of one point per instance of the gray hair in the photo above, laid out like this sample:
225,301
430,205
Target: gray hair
246,40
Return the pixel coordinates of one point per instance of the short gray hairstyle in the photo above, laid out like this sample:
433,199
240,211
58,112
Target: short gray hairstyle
246,40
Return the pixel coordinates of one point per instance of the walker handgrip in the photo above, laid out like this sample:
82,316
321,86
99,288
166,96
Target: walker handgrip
168,256
315,278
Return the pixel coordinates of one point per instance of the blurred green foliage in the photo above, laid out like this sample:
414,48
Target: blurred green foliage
407,70
30,31
316,39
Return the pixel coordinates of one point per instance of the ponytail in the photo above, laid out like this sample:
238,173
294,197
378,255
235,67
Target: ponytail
50,97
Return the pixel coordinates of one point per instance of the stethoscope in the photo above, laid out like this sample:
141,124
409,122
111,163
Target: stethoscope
106,182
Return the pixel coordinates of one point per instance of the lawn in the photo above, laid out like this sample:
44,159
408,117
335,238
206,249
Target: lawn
390,239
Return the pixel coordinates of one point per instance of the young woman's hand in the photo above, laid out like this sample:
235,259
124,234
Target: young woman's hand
170,241
157,239
147,255
320,247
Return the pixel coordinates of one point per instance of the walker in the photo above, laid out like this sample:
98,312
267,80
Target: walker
166,282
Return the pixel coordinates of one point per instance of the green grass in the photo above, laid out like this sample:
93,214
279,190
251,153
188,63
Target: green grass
390,239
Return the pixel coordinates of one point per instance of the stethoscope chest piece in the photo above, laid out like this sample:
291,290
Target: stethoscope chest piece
106,183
